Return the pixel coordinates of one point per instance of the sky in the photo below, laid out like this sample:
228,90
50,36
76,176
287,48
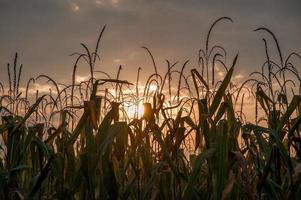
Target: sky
46,32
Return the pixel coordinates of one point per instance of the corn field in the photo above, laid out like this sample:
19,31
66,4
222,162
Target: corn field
184,135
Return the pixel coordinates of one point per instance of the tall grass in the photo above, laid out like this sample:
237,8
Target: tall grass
79,141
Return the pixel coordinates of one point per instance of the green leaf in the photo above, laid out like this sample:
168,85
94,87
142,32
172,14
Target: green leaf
291,108
201,158
222,89
29,113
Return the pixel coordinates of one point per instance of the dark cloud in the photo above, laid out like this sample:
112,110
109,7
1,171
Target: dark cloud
46,32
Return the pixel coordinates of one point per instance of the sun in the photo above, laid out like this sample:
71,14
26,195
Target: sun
134,110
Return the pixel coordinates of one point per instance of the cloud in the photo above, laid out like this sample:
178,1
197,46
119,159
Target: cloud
46,32
75,7
239,76
79,79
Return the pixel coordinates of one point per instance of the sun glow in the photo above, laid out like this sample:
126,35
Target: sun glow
75,7
134,110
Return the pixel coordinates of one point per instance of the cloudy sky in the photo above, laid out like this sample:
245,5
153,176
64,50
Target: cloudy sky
46,32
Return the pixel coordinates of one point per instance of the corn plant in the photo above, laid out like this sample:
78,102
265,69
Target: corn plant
193,141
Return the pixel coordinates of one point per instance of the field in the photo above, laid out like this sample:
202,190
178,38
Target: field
184,134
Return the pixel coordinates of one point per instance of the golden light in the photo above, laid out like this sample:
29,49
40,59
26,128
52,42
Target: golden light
134,111
75,7
152,88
